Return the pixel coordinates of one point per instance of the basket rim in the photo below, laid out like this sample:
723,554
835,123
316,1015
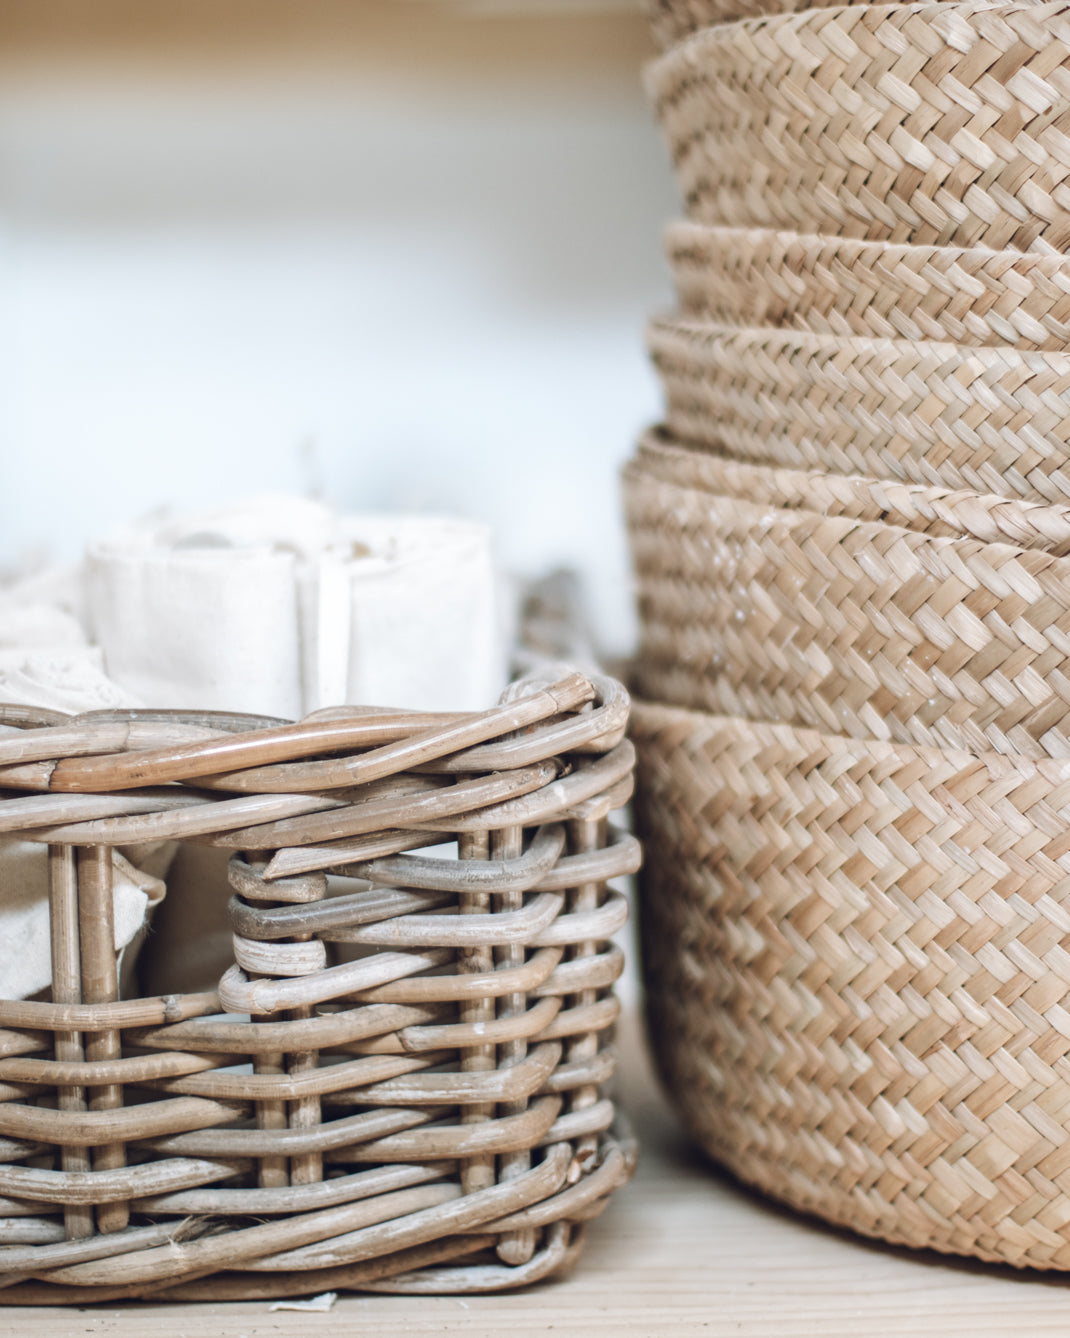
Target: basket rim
650,716
987,516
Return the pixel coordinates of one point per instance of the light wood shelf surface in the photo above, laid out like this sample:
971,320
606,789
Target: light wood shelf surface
683,1251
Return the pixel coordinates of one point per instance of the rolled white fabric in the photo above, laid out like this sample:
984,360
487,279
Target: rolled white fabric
279,607
426,627
206,613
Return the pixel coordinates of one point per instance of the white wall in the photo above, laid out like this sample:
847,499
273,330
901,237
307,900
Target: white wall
386,251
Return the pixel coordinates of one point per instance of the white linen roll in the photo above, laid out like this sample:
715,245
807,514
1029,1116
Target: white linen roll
206,612
280,607
426,626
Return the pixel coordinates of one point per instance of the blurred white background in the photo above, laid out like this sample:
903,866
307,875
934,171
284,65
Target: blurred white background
393,253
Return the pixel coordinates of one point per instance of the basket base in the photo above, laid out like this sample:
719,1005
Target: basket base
458,1265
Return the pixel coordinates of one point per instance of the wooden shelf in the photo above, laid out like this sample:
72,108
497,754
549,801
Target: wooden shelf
681,1252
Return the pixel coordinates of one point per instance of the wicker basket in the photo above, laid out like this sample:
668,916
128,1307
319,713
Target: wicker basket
991,420
945,123
857,627
938,511
856,974
832,285
428,1116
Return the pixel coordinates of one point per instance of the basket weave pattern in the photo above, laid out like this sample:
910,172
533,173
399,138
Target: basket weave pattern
855,976
993,420
674,20
833,285
851,542
856,627
929,124
425,1115
938,511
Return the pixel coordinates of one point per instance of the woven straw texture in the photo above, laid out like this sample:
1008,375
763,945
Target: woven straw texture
426,1114
832,285
943,124
938,511
857,627
673,20
856,974
990,420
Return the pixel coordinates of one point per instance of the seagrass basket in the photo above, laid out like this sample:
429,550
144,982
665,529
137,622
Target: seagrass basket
428,1116
836,285
940,511
857,627
673,20
994,420
942,124
855,971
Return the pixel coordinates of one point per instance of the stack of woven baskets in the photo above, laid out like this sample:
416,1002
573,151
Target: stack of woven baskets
852,540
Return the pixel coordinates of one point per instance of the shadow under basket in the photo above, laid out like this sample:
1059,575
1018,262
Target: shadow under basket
429,1116
856,975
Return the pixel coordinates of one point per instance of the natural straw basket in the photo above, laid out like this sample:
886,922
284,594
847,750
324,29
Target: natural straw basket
945,123
427,1117
833,285
992,420
673,20
856,976
940,511
854,626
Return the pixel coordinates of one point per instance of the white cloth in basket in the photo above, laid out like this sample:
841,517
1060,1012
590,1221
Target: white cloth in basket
425,625
279,607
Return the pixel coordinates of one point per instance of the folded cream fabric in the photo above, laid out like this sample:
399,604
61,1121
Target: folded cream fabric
279,607
67,678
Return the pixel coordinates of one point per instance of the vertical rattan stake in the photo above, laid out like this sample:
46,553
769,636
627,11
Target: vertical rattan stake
306,1111
100,984
67,989
585,834
274,1172
478,1172
516,1247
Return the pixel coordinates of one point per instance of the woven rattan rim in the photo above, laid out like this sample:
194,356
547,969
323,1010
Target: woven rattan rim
858,627
428,1116
989,420
854,975
832,285
937,511
944,123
